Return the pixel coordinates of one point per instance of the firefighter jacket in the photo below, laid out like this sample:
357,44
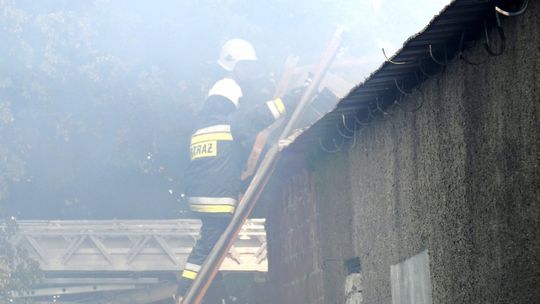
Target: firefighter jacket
217,149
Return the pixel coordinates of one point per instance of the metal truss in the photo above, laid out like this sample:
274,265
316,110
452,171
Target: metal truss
98,256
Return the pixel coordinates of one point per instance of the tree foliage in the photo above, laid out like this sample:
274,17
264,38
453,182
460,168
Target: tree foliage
17,271
97,97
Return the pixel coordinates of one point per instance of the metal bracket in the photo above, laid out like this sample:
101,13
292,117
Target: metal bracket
391,61
423,69
401,89
354,138
380,110
513,14
364,123
462,55
336,147
487,45
345,126
435,59
404,109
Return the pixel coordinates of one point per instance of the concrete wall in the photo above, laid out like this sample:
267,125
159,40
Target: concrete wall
460,177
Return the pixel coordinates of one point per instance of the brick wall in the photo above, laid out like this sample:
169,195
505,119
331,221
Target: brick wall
294,253
309,234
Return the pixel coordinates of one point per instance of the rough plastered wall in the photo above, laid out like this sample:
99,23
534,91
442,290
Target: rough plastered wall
460,177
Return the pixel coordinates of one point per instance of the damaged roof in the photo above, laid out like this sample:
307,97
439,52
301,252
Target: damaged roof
421,56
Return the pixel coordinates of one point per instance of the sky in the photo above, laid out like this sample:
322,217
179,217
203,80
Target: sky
96,97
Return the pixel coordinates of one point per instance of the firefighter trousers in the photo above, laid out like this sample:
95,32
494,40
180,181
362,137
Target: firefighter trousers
213,226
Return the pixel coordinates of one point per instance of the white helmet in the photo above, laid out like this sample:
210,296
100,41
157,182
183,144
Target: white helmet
233,51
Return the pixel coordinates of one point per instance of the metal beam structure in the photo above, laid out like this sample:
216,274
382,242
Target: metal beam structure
80,257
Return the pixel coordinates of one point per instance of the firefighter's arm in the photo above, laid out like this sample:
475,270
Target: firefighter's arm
247,123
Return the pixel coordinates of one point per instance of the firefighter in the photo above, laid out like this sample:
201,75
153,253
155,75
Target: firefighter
227,121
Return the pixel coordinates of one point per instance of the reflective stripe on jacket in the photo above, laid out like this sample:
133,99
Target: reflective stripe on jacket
218,149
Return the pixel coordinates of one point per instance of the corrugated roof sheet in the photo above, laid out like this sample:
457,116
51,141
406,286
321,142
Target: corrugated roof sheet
422,55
